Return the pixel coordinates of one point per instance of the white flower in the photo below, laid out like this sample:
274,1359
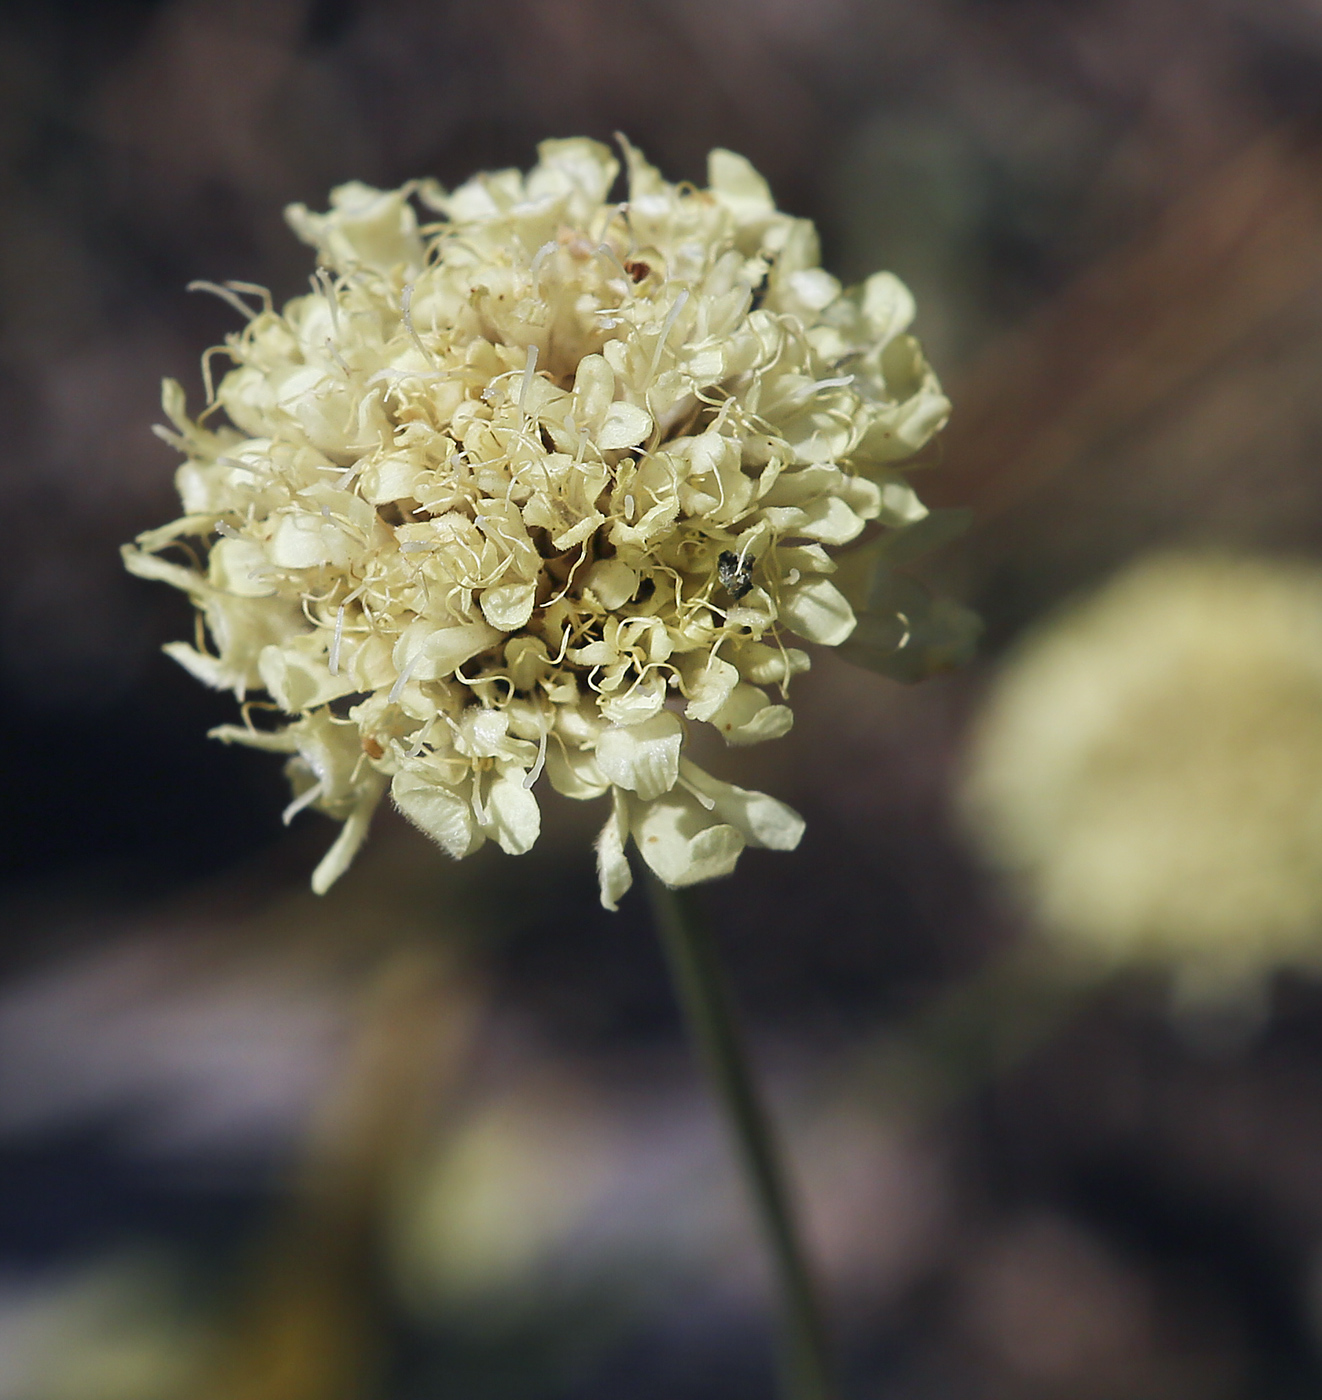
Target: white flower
529,489
1149,768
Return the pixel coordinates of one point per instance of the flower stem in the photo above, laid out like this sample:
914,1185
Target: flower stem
709,1012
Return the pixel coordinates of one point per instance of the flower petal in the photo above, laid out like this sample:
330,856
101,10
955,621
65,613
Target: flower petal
352,834
748,717
508,606
574,772
643,758
445,816
681,842
513,816
817,610
625,425
430,653
763,820
613,872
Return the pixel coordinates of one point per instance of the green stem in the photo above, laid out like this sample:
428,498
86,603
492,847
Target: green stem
709,1012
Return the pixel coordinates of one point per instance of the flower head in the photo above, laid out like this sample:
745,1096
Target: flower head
525,491
1149,768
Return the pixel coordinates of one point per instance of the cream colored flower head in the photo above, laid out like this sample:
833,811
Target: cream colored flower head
1149,767
520,494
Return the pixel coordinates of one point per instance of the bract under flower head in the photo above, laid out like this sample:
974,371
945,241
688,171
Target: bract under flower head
1149,768
525,491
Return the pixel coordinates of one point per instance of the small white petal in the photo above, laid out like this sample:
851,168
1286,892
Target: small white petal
830,520
210,670
239,566
637,704
613,581
814,288
613,872
887,304
430,653
681,842
574,772
643,758
710,687
513,816
734,178
271,740
445,816
817,610
298,678
748,717
304,541
352,834
578,533
508,606
763,820
625,425
594,389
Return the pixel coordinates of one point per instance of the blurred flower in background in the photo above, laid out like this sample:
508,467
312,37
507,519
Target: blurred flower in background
1148,767
124,1329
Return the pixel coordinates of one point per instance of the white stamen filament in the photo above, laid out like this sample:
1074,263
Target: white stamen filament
535,771
809,390
226,295
529,369
479,807
604,250
666,328
337,357
406,310
336,640
306,800
251,289
541,255
564,647
753,535
402,680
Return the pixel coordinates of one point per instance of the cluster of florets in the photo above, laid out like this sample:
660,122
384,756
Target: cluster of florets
524,491
1149,769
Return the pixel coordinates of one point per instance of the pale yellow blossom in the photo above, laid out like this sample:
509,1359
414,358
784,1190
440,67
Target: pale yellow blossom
1149,769
529,489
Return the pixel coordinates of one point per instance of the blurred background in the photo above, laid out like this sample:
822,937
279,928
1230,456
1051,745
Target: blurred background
438,1134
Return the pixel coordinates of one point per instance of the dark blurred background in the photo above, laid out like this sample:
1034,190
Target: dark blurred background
437,1133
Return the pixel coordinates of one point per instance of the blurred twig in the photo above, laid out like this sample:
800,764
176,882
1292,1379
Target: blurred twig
1137,328
306,1327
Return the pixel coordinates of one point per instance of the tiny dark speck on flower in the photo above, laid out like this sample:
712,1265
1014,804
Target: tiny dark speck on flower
735,574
